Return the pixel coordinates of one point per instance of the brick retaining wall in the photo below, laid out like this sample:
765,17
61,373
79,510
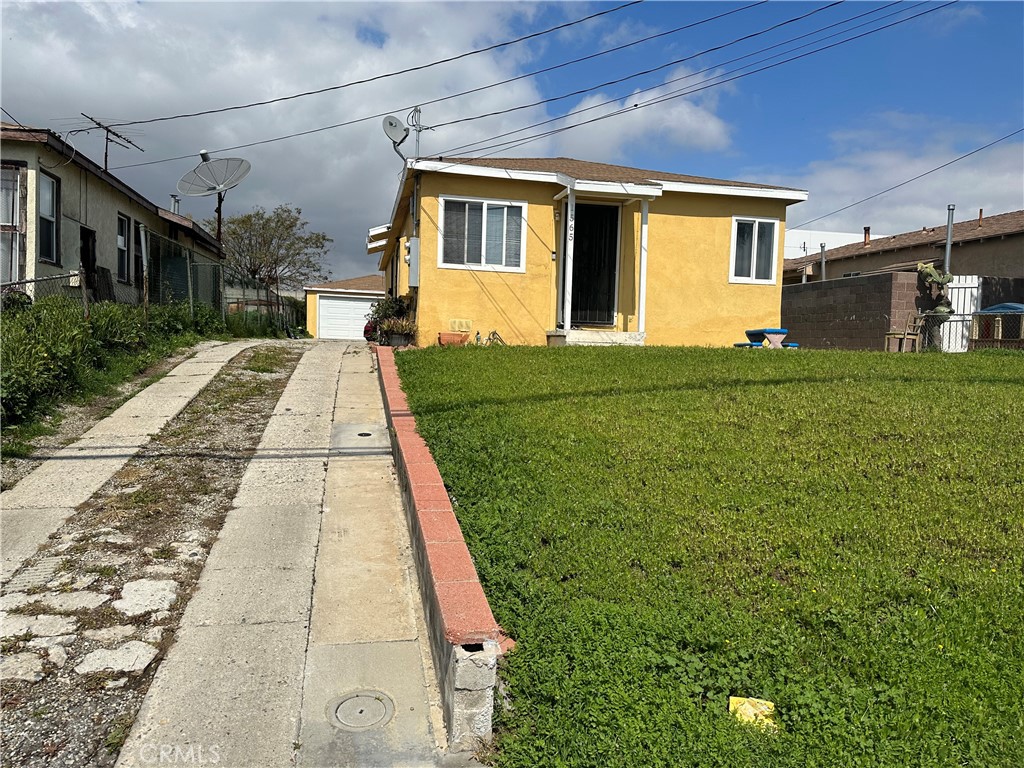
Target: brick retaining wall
849,312
465,640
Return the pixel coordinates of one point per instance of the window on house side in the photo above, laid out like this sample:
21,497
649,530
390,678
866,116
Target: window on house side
482,234
9,221
124,265
49,201
754,245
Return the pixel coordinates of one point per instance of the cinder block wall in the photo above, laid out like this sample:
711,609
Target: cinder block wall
850,312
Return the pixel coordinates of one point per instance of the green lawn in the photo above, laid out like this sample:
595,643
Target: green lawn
659,529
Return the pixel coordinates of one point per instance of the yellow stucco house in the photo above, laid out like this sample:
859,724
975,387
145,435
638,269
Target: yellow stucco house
628,256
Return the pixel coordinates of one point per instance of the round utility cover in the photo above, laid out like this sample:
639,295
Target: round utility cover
361,710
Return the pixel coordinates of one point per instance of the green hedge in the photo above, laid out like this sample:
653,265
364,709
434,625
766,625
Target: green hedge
49,348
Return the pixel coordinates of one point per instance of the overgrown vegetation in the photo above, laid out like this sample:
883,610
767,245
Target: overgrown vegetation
51,350
659,529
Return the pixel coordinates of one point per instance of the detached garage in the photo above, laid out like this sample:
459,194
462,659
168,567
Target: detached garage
337,310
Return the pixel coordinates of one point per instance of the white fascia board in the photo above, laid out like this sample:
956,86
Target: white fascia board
616,189
612,188
792,195
374,232
376,245
492,173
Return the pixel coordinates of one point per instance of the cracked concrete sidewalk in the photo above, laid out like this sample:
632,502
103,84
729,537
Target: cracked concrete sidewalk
305,643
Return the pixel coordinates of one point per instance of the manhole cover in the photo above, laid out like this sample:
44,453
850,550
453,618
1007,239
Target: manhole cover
361,710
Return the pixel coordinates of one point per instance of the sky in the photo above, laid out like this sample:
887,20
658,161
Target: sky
843,123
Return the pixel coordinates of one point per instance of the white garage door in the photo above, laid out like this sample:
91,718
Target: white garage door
342,317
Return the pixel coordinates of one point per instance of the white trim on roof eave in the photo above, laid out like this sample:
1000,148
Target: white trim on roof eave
547,177
376,245
793,195
374,232
655,188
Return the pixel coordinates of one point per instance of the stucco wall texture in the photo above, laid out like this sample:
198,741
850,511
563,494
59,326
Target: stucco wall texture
690,300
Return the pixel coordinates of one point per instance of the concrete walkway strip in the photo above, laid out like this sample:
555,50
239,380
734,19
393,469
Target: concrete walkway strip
231,685
39,504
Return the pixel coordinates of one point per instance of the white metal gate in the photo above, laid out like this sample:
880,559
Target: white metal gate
965,294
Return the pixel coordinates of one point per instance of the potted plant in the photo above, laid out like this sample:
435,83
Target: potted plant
388,307
399,331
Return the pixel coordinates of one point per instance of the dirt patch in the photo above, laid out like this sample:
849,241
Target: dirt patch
155,521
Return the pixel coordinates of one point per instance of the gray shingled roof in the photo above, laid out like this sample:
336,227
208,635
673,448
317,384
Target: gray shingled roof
588,171
366,284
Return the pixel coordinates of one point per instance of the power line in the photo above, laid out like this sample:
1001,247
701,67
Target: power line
458,150
908,181
686,92
11,117
375,78
652,70
672,95
440,99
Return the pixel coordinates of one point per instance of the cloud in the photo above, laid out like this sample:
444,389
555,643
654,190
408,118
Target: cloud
121,61
679,123
869,161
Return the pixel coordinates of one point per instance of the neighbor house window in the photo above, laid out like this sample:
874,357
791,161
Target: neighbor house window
10,223
49,202
754,247
124,266
483,234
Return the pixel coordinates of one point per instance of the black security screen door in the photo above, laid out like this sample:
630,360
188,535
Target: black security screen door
593,264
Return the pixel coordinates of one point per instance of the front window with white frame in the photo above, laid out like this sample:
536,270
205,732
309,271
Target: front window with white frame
124,265
49,202
482,234
754,247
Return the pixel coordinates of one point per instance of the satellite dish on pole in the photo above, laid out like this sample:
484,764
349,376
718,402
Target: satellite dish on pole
397,131
214,176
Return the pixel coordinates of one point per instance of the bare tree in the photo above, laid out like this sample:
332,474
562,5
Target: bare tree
274,249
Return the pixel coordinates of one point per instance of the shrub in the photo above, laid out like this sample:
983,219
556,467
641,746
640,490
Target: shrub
118,327
49,349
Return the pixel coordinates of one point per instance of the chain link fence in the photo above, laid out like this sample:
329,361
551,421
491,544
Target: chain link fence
165,272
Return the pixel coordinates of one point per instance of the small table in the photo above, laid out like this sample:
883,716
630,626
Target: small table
774,336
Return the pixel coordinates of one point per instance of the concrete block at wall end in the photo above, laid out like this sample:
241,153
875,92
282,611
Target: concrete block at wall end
468,717
473,670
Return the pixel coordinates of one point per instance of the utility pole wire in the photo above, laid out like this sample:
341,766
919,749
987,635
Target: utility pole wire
470,91
686,92
692,74
375,78
908,181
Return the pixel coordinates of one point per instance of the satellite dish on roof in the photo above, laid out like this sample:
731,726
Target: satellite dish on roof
214,176
397,131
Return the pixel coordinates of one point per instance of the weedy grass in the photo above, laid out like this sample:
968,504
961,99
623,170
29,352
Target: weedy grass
659,529
268,359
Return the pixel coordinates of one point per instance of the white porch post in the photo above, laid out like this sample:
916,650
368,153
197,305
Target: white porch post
641,315
570,237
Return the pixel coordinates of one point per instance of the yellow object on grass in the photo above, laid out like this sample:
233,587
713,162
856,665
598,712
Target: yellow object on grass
757,711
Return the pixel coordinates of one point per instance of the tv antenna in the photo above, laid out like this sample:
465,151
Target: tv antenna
111,132
214,176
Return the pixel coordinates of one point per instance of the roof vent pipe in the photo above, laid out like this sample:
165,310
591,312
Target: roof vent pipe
175,202
949,237
981,215
867,236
